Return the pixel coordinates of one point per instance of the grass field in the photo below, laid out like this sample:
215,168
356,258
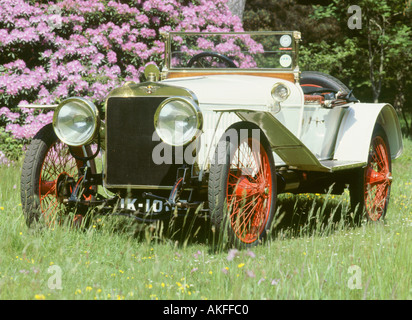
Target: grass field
312,253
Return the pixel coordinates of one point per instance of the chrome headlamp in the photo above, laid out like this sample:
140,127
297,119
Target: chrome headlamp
76,121
280,92
178,121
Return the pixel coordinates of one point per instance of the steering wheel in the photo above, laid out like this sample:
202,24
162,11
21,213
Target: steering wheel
205,60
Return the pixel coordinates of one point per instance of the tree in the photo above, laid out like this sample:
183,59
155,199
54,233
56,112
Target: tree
287,15
374,59
318,49
383,44
237,7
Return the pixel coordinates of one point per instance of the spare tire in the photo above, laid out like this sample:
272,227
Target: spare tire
321,80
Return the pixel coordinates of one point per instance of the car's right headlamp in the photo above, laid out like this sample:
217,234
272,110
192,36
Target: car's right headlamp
178,121
76,121
280,92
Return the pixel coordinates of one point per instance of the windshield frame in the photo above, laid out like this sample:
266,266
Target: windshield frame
294,52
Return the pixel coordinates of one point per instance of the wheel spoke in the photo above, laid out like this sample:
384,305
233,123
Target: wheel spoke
377,179
248,196
242,221
57,161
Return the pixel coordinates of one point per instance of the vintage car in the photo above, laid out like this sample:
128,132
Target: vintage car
225,125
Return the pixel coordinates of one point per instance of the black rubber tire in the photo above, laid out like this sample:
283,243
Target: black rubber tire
222,232
357,187
31,171
323,80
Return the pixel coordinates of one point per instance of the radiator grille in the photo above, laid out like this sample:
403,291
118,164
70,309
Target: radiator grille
129,145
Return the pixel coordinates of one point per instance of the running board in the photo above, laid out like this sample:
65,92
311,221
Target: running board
336,165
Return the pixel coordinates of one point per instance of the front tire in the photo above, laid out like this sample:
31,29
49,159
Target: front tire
242,187
47,162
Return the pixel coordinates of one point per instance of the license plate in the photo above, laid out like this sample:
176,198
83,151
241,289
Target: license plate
143,205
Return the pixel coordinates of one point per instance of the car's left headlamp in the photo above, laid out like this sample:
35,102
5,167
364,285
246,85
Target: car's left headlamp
76,121
178,121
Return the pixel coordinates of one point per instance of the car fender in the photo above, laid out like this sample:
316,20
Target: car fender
283,142
356,129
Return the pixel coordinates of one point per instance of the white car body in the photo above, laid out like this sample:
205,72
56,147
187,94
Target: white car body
316,138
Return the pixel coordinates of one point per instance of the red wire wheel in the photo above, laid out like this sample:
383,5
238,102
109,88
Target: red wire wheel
371,192
57,166
378,179
242,187
47,166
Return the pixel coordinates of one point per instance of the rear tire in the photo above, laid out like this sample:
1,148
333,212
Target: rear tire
370,191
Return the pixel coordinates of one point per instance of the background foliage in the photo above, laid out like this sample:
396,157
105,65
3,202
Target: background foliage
50,50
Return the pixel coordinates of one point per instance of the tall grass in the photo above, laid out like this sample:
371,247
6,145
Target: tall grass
313,252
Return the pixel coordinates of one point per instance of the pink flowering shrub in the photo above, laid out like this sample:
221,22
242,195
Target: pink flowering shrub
85,48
